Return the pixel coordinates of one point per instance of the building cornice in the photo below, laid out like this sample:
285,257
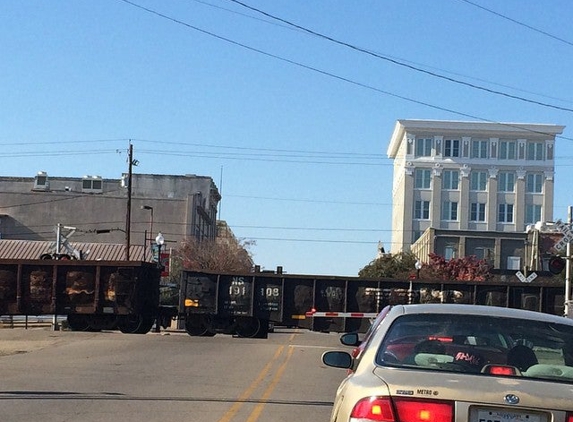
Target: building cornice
461,128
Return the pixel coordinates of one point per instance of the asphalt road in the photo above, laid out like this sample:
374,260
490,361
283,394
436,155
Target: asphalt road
51,376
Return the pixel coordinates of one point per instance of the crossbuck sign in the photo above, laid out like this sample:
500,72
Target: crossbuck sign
567,235
527,279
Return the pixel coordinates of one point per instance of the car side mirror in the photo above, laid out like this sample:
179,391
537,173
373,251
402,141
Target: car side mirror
350,339
337,359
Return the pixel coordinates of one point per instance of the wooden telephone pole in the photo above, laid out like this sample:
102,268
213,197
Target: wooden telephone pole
128,213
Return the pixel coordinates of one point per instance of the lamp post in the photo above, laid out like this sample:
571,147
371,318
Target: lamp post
159,241
150,209
418,266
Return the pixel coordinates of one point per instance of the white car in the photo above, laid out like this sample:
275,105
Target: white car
453,363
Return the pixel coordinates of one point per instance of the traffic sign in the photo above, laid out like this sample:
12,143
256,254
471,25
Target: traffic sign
527,279
567,235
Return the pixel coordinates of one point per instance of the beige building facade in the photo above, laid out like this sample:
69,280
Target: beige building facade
178,206
470,176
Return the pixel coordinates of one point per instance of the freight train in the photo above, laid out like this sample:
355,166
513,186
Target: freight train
94,295
124,295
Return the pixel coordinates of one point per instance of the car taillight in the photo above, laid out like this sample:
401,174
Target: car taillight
377,409
380,409
424,411
500,370
569,417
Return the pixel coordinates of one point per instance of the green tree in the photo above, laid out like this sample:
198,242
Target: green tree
400,265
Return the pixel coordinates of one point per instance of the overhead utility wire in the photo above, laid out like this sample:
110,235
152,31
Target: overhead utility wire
264,149
332,75
406,65
345,154
243,14
397,58
493,12
278,159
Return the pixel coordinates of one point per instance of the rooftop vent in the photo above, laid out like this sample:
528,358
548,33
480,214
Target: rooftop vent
92,184
41,181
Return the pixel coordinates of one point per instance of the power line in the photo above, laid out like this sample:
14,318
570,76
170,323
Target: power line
284,239
403,64
397,58
329,229
306,200
332,75
255,158
518,22
320,152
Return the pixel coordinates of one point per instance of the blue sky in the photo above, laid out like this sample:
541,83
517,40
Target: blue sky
293,127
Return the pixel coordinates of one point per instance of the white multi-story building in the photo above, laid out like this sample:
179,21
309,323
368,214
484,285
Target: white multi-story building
470,177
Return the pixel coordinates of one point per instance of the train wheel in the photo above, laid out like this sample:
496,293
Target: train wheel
135,324
199,325
78,322
248,327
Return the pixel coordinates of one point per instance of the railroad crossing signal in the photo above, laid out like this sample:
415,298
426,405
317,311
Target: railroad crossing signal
556,265
567,235
527,279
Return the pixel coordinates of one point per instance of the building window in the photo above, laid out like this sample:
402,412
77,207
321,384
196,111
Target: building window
478,180
532,214
450,252
422,210
479,148
535,151
506,181
505,213
424,147
450,211
477,211
507,150
450,179
485,253
534,183
422,178
452,148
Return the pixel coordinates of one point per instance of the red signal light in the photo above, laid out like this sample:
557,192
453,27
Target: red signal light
556,265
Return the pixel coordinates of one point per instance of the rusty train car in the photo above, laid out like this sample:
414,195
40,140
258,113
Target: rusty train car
214,302
124,295
94,295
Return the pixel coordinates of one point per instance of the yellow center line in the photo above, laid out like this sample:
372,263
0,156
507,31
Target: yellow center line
247,393
256,413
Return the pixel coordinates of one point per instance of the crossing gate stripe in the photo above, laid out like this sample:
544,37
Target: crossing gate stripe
342,314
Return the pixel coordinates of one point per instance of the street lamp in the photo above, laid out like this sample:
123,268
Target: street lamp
159,241
418,266
150,209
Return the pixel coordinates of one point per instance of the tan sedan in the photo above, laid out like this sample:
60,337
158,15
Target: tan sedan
453,363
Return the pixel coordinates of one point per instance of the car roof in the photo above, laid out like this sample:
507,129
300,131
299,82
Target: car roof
464,309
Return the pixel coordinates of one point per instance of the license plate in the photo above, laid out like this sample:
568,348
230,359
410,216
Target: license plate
484,415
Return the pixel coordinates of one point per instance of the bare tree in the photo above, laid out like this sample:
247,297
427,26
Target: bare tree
224,254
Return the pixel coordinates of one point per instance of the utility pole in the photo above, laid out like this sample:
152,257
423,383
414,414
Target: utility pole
568,265
128,213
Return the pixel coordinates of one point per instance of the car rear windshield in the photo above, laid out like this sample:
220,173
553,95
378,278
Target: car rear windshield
483,345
